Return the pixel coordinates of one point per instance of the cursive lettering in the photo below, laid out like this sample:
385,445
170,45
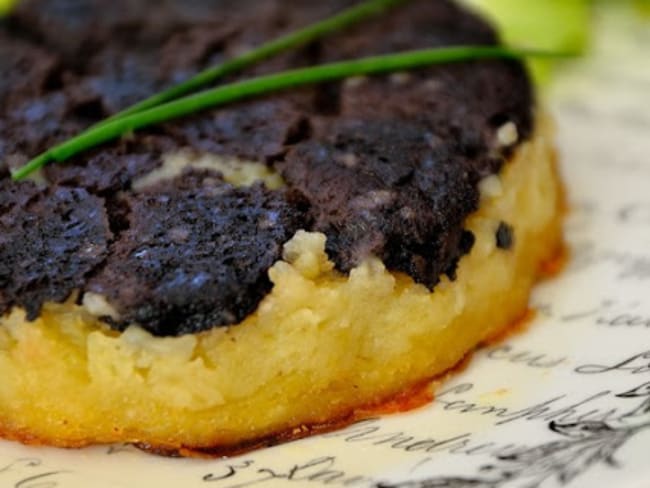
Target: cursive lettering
41,480
317,471
637,364
29,473
610,313
628,265
21,463
370,432
527,358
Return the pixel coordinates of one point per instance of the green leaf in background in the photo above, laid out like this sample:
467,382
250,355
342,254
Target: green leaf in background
561,25
643,7
5,5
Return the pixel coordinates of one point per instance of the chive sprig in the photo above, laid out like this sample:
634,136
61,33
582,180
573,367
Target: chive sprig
261,85
292,40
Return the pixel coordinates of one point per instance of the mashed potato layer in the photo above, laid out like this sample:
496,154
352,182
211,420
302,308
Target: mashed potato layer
320,345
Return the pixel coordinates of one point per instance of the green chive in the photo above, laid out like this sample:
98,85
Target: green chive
267,50
271,83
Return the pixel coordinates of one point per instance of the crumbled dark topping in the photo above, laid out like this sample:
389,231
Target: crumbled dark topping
49,242
26,69
386,166
196,254
31,125
109,170
258,130
381,188
505,236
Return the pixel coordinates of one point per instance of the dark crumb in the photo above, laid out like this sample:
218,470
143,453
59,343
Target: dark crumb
465,245
505,236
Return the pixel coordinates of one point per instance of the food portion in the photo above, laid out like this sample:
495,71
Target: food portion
244,273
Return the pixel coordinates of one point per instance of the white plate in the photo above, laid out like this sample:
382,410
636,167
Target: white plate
565,403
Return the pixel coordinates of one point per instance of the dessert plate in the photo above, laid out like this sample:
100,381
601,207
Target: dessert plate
565,402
